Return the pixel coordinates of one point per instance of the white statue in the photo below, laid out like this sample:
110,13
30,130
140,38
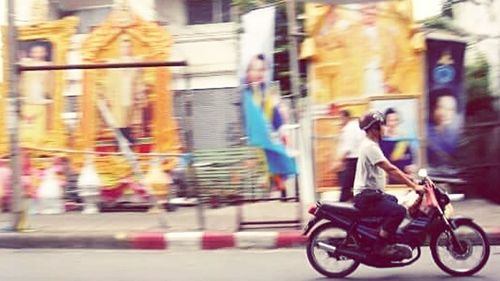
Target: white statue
50,193
89,186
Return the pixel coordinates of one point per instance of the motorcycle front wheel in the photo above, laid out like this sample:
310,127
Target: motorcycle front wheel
326,262
465,260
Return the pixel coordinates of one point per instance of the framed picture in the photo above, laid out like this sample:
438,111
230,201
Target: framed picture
36,89
41,92
35,51
362,50
400,142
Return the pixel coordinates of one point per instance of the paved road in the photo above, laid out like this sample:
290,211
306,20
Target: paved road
245,265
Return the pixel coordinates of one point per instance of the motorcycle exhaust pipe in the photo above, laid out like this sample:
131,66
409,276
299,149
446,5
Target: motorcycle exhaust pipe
326,247
342,252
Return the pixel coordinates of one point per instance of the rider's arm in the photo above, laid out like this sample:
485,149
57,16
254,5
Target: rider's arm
395,173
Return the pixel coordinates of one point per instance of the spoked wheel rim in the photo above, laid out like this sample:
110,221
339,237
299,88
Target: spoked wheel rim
329,263
467,258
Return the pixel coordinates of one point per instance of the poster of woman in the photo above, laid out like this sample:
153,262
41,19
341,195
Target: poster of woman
262,116
399,141
445,60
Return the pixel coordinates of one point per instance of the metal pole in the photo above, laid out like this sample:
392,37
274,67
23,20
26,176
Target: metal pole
293,55
104,65
498,69
294,79
18,209
190,148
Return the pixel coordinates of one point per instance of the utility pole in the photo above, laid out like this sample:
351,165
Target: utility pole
18,208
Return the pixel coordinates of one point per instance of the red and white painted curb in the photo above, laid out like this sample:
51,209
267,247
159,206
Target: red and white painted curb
168,241
237,240
216,240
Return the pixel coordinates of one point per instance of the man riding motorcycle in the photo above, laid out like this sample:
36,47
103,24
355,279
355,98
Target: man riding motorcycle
369,182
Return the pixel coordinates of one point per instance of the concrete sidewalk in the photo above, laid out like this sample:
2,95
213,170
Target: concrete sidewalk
183,229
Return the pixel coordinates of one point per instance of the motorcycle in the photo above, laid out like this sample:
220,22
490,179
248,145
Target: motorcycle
346,239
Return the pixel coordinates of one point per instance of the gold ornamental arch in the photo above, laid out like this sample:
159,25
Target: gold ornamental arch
55,36
149,42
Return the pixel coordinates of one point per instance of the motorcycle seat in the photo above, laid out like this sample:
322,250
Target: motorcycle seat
345,209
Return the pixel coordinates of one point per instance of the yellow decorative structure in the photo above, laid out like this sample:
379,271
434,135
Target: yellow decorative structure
363,50
125,37
58,33
55,34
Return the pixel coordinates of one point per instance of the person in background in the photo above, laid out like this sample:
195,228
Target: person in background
350,138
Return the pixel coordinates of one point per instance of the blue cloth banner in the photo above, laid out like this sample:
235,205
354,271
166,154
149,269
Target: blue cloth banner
259,134
446,101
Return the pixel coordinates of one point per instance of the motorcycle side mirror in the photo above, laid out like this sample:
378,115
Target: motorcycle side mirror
422,173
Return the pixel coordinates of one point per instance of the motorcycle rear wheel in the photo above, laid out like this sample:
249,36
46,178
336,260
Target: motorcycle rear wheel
320,259
474,245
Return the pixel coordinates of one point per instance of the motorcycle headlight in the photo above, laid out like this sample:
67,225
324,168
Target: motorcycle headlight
448,211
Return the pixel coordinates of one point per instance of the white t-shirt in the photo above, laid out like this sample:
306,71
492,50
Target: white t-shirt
368,174
350,139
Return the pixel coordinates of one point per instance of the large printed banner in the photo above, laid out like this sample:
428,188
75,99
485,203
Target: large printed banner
363,50
368,55
445,68
260,101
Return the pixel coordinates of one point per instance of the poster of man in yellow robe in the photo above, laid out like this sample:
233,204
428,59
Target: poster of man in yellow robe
36,88
126,92
363,50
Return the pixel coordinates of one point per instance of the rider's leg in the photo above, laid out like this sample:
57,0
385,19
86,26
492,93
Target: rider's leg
348,179
393,215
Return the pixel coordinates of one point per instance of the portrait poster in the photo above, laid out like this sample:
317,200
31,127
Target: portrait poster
257,40
445,102
400,132
262,114
36,89
126,92
363,50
